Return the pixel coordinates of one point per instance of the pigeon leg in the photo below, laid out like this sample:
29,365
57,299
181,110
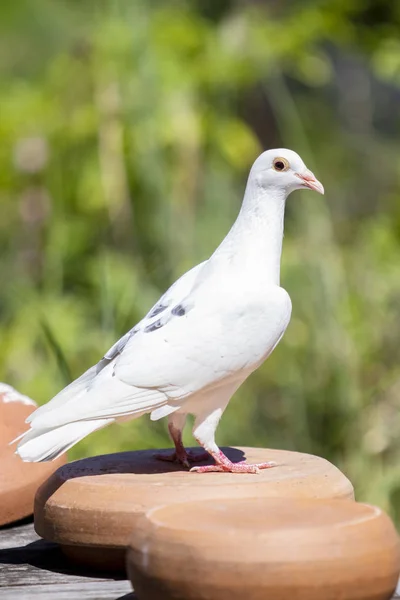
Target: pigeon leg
176,423
204,432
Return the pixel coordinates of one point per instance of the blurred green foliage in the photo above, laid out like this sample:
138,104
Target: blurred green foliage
127,129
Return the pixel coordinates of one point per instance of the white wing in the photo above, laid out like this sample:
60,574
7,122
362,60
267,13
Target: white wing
98,391
195,346
177,292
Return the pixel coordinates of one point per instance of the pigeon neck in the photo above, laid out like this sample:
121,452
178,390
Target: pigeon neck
254,243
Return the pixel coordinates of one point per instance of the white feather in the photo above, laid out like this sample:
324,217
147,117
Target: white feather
47,444
73,389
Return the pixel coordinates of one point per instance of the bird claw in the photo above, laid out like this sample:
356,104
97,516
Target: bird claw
240,467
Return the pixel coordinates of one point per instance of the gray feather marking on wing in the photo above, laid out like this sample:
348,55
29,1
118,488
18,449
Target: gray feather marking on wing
116,349
156,310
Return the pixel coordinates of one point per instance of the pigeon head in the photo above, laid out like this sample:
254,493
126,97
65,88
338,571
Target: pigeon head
283,169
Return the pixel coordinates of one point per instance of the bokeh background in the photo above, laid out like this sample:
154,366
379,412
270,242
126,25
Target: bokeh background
127,129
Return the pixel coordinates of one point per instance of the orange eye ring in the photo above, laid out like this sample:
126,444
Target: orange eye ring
280,164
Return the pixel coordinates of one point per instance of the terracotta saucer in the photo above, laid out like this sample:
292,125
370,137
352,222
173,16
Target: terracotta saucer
264,548
91,506
18,480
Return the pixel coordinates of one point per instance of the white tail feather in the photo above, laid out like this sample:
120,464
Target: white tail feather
72,390
102,396
39,445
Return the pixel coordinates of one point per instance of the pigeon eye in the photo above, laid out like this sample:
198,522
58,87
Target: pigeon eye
280,164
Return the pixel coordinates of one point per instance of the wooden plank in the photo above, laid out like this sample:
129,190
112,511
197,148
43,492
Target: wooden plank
31,567
101,590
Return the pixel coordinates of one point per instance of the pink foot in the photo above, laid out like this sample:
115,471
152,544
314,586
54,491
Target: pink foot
224,465
184,457
234,468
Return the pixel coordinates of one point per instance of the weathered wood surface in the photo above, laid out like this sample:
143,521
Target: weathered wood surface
33,568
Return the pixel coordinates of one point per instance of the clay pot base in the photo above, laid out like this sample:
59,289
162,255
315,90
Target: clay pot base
91,506
263,548
18,480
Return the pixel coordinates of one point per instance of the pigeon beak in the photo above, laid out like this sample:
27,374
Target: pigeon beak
309,180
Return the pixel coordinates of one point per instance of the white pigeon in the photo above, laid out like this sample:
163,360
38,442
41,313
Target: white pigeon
198,344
